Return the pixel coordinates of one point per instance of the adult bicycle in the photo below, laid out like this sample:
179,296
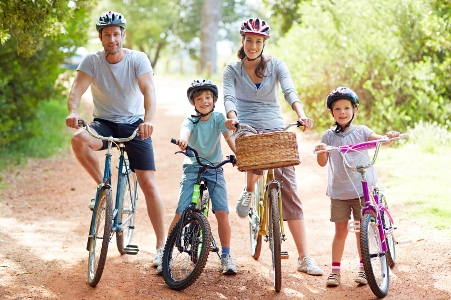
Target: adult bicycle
377,242
108,217
265,214
190,241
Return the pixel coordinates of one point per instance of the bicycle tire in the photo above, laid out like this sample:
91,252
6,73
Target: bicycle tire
374,261
275,239
182,267
102,223
127,209
254,223
389,240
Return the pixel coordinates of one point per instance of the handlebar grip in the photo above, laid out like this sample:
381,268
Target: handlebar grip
174,141
81,123
232,159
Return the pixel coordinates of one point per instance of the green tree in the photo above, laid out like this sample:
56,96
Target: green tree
33,33
395,54
158,25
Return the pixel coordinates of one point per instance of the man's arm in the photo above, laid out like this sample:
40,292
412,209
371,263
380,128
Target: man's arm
147,87
79,87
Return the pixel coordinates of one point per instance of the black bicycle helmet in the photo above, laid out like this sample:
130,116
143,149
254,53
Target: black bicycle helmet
201,84
342,93
111,18
255,26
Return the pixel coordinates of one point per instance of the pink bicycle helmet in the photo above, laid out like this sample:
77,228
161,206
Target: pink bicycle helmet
255,26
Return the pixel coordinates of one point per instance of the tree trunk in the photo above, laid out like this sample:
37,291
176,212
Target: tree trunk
211,15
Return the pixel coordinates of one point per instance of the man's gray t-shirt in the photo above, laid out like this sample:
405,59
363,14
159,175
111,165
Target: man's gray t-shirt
115,90
340,180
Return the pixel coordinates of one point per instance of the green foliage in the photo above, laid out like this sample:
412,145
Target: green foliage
29,75
284,14
50,135
27,24
157,25
396,55
416,177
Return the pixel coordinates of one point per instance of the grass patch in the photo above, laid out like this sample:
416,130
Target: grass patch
418,176
51,138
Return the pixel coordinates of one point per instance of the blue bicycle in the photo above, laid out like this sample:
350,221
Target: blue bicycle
107,218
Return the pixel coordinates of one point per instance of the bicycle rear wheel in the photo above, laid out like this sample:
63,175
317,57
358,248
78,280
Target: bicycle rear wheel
183,265
127,210
374,260
275,239
254,222
99,239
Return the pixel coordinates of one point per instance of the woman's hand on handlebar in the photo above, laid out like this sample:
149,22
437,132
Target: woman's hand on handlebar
230,124
307,122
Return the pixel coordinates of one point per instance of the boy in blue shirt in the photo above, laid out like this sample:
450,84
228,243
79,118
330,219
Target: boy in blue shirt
203,132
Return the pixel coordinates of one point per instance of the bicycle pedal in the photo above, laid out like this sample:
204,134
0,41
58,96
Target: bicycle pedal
131,249
215,249
284,255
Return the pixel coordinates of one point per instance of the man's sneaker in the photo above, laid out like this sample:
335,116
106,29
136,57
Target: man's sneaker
308,265
244,203
91,204
361,277
158,260
160,269
333,279
228,267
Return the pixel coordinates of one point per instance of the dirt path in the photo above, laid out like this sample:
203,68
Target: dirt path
44,221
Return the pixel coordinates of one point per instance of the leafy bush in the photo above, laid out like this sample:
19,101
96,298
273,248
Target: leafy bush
396,55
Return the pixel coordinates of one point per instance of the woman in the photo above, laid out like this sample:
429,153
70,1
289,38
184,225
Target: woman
251,92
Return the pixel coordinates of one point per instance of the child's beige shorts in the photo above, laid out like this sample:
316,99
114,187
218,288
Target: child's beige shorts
340,210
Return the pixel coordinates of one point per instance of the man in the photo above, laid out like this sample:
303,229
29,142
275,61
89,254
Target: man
124,98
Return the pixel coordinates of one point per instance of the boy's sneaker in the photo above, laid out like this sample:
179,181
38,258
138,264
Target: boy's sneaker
361,277
308,265
228,267
91,204
158,260
244,203
333,279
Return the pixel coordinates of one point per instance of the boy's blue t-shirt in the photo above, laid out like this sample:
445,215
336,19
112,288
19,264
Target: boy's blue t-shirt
206,138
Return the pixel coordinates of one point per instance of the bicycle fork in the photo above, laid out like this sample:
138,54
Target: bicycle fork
271,185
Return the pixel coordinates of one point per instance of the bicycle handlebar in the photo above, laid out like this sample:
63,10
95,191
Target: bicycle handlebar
342,150
230,159
85,125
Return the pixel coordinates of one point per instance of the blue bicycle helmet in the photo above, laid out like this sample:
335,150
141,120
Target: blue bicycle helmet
201,84
111,18
342,93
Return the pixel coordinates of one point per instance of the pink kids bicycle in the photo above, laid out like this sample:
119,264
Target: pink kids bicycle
377,241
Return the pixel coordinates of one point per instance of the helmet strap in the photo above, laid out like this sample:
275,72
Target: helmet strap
201,115
248,59
340,129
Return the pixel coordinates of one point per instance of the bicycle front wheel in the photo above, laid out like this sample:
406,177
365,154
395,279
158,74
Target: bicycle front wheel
390,240
374,260
275,239
126,210
99,238
186,251
254,223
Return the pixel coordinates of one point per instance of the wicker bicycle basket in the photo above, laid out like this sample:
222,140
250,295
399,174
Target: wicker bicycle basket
267,151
